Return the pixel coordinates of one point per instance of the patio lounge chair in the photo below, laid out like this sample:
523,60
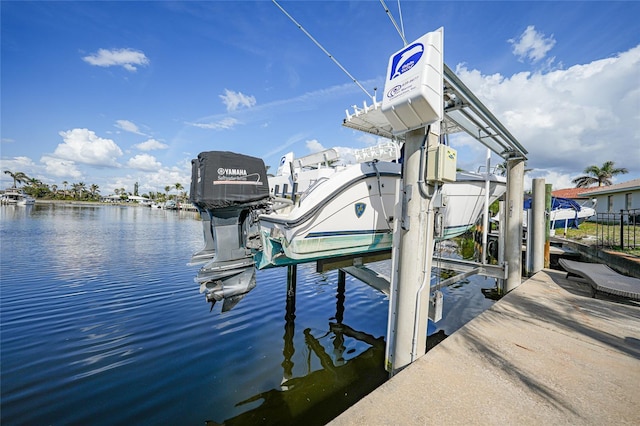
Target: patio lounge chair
602,279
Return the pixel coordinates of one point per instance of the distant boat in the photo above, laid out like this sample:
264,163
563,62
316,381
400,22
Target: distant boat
565,212
16,197
170,205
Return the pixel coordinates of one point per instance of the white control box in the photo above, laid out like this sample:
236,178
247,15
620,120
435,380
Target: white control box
413,90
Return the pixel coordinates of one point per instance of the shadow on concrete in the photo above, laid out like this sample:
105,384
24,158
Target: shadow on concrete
606,324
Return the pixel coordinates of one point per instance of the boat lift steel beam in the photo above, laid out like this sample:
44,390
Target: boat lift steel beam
464,109
461,265
354,266
465,266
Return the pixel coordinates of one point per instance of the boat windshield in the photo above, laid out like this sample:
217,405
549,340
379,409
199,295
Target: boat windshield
311,188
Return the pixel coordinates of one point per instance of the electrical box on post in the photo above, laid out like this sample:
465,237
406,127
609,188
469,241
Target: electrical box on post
413,89
441,163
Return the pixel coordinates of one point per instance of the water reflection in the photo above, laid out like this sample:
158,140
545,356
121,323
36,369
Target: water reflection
320,395
13,212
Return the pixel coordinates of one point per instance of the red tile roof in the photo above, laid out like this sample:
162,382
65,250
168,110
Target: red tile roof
574,193
577,193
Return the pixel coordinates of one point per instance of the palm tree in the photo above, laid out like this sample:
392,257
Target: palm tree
18,177
93,189
34,186
178,186
600,175
166,190
65,183
78,189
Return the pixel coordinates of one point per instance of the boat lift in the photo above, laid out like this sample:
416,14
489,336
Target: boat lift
422,100
463,112
412,298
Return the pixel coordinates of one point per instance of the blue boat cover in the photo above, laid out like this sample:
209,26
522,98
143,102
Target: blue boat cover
556,204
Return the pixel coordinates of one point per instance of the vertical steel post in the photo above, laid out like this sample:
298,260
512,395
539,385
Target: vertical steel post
485,216
539,221
409,299
547,235
513,231
289,326
501,243
342,279
621,229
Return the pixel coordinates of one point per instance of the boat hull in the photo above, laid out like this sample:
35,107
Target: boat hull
353,213
17,198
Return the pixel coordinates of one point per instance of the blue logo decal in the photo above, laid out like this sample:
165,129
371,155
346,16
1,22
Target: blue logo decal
360,209
406,59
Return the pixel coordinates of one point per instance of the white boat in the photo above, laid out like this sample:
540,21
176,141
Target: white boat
296,175
16,197
352,211
565,212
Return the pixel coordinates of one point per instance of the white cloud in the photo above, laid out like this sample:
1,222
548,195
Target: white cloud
14,165
558,180
314,146
236,100
60,168
262,112
151,145
85,147
126,58
128,126
225,123
144,162
532,45
17,164
569,119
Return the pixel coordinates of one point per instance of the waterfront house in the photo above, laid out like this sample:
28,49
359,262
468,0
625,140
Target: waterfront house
613,198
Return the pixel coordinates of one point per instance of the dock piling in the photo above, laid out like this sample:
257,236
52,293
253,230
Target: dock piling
513,231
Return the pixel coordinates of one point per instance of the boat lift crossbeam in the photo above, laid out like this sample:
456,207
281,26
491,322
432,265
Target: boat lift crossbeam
354,265
464,109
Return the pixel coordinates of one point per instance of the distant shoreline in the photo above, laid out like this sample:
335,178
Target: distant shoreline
84,203
186,207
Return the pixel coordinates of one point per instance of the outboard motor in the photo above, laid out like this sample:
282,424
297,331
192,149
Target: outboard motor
207,252
229,190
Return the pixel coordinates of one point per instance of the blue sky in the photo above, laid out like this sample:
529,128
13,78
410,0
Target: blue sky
113,93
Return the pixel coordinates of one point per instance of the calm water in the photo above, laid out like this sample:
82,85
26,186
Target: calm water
102,323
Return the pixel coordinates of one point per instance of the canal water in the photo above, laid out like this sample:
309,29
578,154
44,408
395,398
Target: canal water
101,322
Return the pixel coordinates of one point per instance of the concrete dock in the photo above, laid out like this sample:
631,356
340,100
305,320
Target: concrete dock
546,353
